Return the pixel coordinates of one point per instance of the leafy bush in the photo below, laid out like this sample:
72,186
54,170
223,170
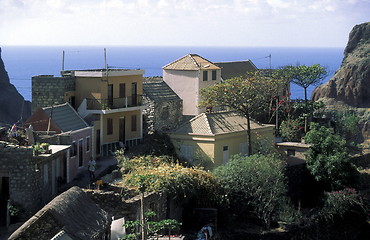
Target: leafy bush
340,204
159,144
327,159
347,126
253,185
291,130
162,174
128,165
152,227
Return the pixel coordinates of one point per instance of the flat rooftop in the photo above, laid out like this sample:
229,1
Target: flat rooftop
102,72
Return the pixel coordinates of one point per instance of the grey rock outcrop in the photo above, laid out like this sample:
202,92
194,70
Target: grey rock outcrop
351,83
13,107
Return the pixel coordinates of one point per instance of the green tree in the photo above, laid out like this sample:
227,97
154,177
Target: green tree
250,94
253,185
328,159
305,76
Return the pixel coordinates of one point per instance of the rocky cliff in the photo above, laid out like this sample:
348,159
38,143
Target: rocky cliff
351,83
13,107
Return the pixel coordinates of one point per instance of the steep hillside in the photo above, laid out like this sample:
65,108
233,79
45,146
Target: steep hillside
11,102
351,83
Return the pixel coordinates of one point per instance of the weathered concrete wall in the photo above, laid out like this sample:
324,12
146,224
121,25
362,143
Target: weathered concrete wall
48,90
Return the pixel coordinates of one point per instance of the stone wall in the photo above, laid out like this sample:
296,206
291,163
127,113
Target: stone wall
28,187
162,116
48,90
19,164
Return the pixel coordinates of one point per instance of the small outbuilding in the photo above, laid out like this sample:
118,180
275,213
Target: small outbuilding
216,136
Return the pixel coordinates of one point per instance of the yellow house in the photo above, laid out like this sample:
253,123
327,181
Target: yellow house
111,100
219,135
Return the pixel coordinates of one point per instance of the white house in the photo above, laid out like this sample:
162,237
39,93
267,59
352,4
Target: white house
187,75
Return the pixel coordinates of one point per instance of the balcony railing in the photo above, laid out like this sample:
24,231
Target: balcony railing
114,103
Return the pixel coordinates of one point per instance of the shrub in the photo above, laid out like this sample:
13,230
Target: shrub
341,204
152,227
253,185
327,159
162,174
291,130
159,144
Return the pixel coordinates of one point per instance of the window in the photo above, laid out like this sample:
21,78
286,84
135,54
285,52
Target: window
122,90
109,126
291,152
225,154
214,75
80,152
133,123
205,75
87,144
73,149
243,148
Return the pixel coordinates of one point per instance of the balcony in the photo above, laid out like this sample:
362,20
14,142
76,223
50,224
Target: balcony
106,106
114,103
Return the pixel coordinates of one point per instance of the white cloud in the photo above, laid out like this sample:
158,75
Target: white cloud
180,22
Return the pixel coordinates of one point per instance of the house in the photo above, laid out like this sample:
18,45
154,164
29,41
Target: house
163,110
235,69
110,100
68,128
219,135
294,152
72,215
187,75
27,180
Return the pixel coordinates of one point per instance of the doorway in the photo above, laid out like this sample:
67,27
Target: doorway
110,95
122,130
4,197
134,93
97,143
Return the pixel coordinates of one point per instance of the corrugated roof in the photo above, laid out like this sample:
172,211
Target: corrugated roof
191,62
235,69
217,123
158,91
65,117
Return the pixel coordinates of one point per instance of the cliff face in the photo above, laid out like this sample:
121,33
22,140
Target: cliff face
10,100
351,83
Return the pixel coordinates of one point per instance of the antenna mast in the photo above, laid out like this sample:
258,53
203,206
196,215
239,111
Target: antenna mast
63,61
105,59
269,56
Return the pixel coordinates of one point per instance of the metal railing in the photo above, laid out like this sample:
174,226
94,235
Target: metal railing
114,103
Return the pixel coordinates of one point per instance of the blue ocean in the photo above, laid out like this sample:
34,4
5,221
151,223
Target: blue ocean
24,62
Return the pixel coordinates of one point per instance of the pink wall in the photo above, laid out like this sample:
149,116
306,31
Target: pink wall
185,84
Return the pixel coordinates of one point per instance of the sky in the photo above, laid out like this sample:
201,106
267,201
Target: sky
252,23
